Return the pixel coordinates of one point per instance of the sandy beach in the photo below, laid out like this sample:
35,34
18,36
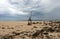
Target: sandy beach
20,30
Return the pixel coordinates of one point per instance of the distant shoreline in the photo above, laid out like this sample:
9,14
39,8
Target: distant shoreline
33,20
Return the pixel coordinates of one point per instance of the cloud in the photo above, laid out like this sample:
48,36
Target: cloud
5,6
39,8
24,6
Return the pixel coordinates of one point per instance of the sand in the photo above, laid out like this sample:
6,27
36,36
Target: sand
20,29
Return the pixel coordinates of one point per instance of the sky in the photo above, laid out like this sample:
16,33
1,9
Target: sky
21,9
